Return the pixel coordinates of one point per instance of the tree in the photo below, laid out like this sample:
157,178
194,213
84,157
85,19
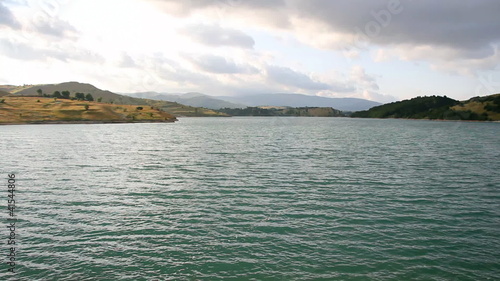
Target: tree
39,91
65,94
80,96
139,108
57,94
99,99
89,97
86,107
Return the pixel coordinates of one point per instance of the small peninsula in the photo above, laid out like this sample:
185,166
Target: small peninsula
41,110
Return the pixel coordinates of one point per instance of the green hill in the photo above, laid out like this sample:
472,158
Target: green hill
437,107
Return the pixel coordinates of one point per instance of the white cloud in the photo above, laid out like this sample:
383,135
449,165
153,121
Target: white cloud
218,64
367,85
215,35
37,52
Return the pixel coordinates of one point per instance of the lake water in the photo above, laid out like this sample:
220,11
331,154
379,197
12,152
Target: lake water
255,199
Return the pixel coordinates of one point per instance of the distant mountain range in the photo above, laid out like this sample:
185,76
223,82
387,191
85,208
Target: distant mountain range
191,99
299,100
291,100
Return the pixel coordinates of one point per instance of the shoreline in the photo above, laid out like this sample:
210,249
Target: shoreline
426,119
51,122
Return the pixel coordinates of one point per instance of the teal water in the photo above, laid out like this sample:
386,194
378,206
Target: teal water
255,199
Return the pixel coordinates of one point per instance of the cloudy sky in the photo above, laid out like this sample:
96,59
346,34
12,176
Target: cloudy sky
381,50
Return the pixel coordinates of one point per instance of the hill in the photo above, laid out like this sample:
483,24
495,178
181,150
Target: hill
435,107
191,99
20,110
299,100
284,111
109,97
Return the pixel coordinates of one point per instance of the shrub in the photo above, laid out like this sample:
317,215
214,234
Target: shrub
80,96
139,108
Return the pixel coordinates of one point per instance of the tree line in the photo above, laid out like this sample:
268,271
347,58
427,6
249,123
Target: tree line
67,95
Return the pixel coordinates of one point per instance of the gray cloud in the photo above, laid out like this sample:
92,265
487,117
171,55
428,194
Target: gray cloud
214,35
466,24
170,70
469,26
217,64
287,76
126,61
7,18
54,27
186,7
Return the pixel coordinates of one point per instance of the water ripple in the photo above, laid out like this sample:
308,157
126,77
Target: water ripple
257,199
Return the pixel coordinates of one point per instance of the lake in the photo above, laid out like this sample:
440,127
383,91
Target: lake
254,199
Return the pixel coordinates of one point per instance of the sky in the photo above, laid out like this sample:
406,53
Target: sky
381,50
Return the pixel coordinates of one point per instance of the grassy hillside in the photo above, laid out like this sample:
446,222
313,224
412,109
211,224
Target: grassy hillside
19,110
13,88
483,106
109,97
436,107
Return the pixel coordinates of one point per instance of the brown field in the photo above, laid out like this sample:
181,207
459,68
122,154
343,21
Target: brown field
19,110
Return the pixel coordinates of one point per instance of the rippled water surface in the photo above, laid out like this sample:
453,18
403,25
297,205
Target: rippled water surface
255,199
